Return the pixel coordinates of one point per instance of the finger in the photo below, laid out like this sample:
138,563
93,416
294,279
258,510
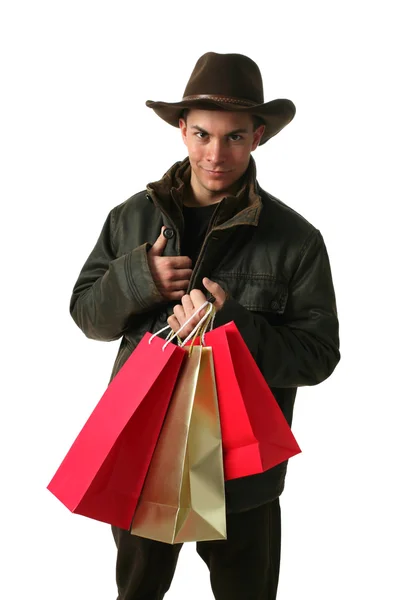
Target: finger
216,290
173,322
187,305
181,274
159,245
175,326
198,298
179,262
179,314
177,286
185,314
176,296
168,279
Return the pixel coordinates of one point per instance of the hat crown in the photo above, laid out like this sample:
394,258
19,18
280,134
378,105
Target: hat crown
232,75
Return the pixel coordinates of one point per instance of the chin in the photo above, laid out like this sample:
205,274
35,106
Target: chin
218,188
221,184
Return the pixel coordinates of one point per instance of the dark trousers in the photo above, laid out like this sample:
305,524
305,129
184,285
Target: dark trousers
243,567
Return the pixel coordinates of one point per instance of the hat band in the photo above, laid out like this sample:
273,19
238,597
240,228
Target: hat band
219,98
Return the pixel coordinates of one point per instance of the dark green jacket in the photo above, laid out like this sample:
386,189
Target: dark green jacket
272,262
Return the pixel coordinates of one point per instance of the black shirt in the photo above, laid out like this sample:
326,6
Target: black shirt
196,219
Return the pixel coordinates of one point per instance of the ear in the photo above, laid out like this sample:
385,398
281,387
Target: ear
257,136
183,128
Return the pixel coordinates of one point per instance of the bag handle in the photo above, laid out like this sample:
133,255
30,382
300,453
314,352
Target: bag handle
198,326
207,325
202,327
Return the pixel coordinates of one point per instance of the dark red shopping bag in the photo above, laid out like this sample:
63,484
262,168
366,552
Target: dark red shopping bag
103,473
255,433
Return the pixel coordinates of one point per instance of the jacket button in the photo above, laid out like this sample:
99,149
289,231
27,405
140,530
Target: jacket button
168,233
148,197
275,305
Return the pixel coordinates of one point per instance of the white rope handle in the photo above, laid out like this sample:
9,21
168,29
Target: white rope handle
157,333
209,325
203,319
170,337
196,328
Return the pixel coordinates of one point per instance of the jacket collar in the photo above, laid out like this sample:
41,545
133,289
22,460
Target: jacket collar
242,209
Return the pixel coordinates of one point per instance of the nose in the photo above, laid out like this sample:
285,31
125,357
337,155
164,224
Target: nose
215,152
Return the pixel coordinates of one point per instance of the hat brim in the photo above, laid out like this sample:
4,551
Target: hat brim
276,114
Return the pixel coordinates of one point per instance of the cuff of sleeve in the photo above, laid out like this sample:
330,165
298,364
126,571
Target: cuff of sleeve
140,279
231,311
244,321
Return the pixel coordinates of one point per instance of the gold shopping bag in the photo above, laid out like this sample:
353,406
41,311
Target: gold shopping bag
183,496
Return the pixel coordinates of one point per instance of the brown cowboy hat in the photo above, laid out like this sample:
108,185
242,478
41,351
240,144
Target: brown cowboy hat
229,82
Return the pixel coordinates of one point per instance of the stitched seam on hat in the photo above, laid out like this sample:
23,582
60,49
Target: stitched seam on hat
221,99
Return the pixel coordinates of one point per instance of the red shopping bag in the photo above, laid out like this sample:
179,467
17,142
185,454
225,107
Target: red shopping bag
255,433
103,473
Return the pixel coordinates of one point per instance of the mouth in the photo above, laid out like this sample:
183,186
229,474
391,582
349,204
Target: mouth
216,173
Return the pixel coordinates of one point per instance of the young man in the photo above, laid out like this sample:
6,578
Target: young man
207,228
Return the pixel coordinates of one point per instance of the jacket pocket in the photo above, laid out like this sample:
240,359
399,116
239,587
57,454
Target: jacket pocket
255,291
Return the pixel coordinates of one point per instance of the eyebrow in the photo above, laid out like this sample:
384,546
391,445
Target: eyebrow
235,132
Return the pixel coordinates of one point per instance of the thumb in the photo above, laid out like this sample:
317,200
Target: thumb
216,290
159,245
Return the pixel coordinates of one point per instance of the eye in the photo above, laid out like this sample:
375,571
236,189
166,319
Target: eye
201,134
236,136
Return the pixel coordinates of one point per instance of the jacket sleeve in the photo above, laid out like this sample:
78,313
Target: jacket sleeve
111,289
304,350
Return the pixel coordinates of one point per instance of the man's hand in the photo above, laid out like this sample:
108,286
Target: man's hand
171,274
190,303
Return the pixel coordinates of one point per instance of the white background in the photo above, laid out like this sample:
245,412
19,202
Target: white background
76,140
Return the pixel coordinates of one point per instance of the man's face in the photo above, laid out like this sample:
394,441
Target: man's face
219,146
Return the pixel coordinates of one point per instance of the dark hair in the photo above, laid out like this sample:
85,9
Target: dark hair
257,121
